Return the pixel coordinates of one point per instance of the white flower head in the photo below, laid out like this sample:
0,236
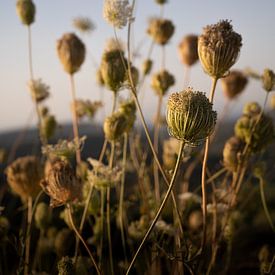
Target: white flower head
117,12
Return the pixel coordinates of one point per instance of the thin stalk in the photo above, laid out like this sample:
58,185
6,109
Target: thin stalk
262,182
121,197
102,213
156,145
186,78
28,237
30,52
171,185
75,119
109,211
203,176
82,240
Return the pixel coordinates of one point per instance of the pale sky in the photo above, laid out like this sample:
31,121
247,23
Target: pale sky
253,19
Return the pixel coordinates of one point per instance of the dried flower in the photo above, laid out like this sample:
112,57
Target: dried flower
87,108
147,66
137,229
83,24
48,124
188,49
128,109
231,153
117,12
164,228
24,175
268,80
233,84
134,75
218,48
190,116
61,184
162,81
103,176
26,11
71,52
39,90
65,266
64,149
115,126
161,30
112,69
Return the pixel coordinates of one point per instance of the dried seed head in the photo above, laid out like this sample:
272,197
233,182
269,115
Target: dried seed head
218,48
233,84
231,153
42,216
147,66
87,108
161,30
137,229
268,80
112,69
83,24
115,126
190,116
134,75
128,109
61,184
25,10
161,82
39,90
71,52
24,175
188,49
256,130
48,126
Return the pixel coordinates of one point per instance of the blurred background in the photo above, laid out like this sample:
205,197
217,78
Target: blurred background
253,19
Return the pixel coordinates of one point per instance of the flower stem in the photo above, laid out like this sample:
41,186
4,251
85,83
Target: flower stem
171,185
28,237
82,240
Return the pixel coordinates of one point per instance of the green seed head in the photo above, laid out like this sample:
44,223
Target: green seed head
218,48
71,52
162,81
25,10
190,116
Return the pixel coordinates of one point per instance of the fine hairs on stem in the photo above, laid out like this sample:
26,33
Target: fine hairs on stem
82,240
171,185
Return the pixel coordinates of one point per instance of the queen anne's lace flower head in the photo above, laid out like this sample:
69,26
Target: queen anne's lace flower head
117,12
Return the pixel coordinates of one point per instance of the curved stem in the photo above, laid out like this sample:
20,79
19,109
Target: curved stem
171,185
82,240
121,197
265,205
203,176
74,119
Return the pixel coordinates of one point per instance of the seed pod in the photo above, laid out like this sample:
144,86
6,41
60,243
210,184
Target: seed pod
161,30
161,82
218,48
112,69
233,84
61,184
115,126
24,175
25,10
190,116
268,80
231,153
71,52
188,49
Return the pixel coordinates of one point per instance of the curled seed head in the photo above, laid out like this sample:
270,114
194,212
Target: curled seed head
268,80
161,82
24,175
147,66
190,116
25,10
161,30
233,84
231,153
218,48
61,184
188,49
112,69
71,52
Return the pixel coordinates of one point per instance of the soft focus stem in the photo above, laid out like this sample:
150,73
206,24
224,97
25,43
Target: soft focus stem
171,185
28,236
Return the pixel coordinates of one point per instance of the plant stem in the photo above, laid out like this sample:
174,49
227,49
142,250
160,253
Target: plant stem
262,182
28,237
203,176
82,240
121,197
74,119
171,185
